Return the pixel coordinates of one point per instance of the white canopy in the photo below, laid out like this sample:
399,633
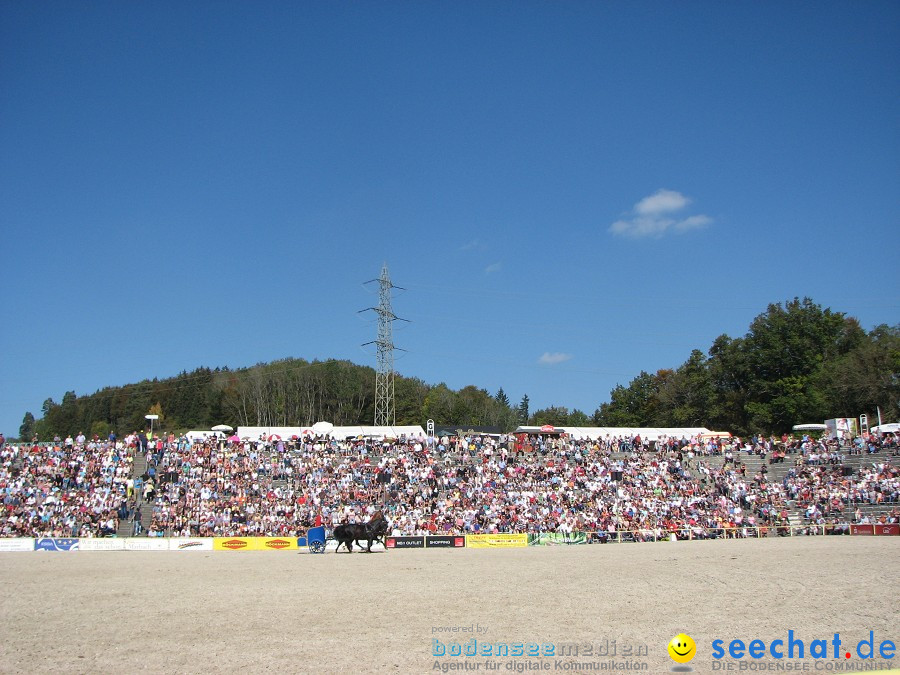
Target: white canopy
650,433
810,427
337,433
892,428
201,435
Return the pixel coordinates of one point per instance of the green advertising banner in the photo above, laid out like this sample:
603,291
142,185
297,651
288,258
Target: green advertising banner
556,538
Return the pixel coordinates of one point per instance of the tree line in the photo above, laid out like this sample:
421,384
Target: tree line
797,363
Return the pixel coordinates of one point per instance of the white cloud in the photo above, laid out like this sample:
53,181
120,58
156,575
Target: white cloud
652,217
641,227
493,267
472,245
552,358
693,223
661,201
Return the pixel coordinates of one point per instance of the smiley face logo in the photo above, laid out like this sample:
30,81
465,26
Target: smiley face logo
682,648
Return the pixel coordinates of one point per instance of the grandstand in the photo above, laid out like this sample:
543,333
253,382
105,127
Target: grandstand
529,482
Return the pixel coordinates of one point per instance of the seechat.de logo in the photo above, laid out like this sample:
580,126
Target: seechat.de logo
797,648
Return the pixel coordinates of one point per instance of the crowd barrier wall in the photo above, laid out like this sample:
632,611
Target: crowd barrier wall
496,540
56,544
501,540
447,541
186,544
879,529
404,542
17,545
103,544
754,532
557,538
255,544
331,545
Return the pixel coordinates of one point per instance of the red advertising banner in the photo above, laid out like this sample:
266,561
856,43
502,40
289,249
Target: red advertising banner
866,530
889,530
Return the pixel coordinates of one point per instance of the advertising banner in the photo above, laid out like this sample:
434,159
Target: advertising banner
404,542
276,544
866,530
104,544
842,428
445,542
146,544
331,545
887,530
556,538
233,544
185,544
56,544
17,544
496,540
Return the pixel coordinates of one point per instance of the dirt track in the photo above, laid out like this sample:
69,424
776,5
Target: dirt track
279,611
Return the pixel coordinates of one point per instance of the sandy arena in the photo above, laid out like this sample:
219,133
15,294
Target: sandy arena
91,612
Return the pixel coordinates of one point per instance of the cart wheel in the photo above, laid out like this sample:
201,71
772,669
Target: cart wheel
317,547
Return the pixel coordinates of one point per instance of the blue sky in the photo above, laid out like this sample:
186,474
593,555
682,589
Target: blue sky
570,192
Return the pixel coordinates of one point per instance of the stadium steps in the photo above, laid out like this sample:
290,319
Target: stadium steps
124,529
796,516
778,471
139,468
873,511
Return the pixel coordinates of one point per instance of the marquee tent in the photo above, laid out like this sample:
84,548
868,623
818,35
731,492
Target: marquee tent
649,433
337,433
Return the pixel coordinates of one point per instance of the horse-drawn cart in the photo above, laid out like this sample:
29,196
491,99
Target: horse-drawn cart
314,540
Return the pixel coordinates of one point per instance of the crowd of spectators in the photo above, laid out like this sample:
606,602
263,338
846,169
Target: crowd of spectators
75,488
695,488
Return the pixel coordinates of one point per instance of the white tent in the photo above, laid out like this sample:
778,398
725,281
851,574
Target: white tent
379,433
892,428
337,433
810,427
196,435
650,433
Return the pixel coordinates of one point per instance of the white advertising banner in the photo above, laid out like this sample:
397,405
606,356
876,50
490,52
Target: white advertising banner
101,544
146,544
331,545
191,544
18,544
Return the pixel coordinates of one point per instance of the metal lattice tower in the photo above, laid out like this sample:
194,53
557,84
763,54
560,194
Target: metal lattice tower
384,347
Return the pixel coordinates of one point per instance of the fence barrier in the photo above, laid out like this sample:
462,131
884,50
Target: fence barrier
499,540
404,542
496,540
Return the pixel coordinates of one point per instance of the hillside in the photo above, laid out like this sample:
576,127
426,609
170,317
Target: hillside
797,363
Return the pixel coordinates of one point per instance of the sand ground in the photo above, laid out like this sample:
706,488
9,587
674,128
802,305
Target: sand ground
193,612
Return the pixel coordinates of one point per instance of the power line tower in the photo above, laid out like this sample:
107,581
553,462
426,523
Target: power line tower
384,347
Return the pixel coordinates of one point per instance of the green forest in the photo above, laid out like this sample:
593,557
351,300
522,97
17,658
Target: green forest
797,363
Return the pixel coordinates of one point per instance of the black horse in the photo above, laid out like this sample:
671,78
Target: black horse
379,529
370,532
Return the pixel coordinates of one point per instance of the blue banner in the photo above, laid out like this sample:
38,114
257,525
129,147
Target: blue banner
55,544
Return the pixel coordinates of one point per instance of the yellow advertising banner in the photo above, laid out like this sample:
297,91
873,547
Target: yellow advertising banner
496,540
276,543
234,544
255,544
